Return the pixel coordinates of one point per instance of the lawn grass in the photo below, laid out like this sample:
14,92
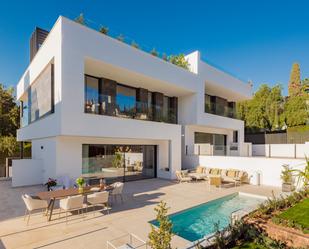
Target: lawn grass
298,215
249,245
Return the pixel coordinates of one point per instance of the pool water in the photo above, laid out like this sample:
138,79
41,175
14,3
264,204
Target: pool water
195,223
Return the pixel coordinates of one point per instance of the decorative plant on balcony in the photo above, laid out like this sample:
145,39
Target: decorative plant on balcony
134,44
161,237
120,38
80,183
104,30
179,60
287,179
80,19
154,52
50,183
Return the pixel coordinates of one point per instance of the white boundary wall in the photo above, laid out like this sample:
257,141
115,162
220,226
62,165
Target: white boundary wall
27,172
281,150
269,168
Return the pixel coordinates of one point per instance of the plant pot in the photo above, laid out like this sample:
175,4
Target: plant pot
287,187
80,189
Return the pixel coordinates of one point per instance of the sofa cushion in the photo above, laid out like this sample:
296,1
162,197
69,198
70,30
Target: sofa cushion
200,169
241,174
207,171
184,173
215,171
231,173
223,172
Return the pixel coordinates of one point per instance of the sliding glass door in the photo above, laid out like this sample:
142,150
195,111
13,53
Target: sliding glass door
217,140
119,162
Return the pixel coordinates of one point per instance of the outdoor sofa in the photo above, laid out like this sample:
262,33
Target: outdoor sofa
227,175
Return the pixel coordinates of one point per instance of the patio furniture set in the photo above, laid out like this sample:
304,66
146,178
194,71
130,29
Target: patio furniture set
73,199
214,176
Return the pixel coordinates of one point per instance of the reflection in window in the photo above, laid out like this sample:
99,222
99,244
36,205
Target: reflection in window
91,95
126,100
38,100
119,162
41,94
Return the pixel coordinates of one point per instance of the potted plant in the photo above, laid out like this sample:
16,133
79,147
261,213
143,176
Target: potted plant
50,183
80,183
104,30
154,52
302,175
287,179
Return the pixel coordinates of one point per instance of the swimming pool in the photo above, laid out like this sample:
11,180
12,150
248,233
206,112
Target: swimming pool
199,221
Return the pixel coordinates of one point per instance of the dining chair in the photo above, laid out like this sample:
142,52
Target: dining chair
33,204
117,190
98,199
71,203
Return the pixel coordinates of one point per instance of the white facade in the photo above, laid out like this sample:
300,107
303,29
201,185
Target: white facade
76,51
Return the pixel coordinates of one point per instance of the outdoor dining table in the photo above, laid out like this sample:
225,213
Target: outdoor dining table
52,196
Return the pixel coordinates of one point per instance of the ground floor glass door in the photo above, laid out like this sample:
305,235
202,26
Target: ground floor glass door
119,162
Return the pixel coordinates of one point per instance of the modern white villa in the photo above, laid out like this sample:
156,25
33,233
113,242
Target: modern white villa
94,106
87,96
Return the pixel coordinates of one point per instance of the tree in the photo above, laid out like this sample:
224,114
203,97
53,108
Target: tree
295,80
9,123
296,110
80,19
305,86
179,60
160,238
264,110
9,112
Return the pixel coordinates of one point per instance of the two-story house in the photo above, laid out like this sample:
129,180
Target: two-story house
94,106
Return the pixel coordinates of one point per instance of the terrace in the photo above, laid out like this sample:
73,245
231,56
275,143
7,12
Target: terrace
89,231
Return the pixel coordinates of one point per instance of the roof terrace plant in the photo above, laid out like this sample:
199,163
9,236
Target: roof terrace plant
179,60
104,30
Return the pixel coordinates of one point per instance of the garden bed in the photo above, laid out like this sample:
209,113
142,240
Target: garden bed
284,219
249,245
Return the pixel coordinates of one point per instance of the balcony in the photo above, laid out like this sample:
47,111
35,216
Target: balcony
224,111
127,107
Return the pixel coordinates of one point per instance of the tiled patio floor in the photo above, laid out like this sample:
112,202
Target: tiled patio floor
93,231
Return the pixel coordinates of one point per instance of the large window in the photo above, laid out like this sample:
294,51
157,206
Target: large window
38,101
220,106
119,162
107,97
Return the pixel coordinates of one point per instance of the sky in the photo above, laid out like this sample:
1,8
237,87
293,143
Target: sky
253,40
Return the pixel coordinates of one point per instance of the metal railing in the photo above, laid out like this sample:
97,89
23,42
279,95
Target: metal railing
126,241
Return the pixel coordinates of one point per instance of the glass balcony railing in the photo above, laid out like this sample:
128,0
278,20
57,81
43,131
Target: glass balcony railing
128,107
220,110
